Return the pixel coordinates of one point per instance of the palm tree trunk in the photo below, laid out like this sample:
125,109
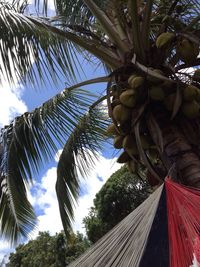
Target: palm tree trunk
181,153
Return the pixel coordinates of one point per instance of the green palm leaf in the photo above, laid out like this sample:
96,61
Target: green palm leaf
31,49
37,48
17,217
27,143
77,159
24,44
75,12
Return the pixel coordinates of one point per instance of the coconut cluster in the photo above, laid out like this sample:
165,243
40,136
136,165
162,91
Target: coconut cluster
124,102
155,88
186,50
154,91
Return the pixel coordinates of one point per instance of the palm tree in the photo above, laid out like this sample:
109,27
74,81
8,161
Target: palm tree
153,101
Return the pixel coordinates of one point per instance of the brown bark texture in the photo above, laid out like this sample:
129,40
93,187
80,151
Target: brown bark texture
182,155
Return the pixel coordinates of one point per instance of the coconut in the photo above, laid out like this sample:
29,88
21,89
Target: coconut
190,93
168,84
118,140
196,75
191,110
135,81
121,113
112,130
129,145
156,93
115,102
123,158
165,39
169,101
187,50
128,98
168,87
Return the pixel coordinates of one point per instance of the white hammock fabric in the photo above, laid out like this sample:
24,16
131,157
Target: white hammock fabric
124,245
195,262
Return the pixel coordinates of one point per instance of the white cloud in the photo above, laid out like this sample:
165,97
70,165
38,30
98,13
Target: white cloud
51,7
5,250
103,169
45,198
10,102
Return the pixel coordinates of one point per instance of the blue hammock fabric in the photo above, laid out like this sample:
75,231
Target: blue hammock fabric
157,248
126,243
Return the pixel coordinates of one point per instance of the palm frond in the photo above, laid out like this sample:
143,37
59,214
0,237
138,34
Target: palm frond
77,158
82,39
96,19
24,44
30,49
29,142
17,217
75,12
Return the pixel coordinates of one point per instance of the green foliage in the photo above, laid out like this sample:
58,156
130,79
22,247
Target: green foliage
87,136
119,33
77,244
49,251
121,194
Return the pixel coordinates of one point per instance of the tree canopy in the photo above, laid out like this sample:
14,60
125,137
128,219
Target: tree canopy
49,251
120,195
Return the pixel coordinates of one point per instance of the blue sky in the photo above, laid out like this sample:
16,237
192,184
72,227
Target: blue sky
18,99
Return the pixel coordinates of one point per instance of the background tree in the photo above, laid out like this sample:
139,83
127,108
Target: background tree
153,101
49,251
77,244
120,195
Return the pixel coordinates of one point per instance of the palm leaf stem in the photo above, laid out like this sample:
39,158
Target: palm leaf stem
107,25
150,72
146,24
96,103
142,152
118,26
100,52
91,81
139,51
172,7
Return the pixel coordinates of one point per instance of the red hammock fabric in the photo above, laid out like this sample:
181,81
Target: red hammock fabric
183,208
197,248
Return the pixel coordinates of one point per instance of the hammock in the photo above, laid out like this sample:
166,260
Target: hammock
162,232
